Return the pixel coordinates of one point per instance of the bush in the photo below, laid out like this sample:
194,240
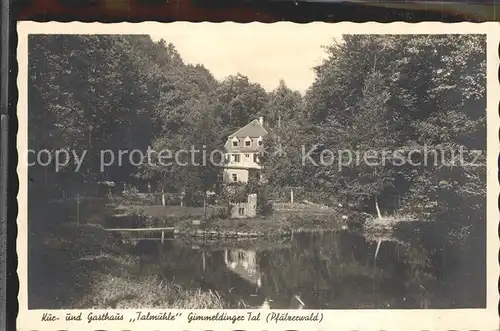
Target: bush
222,213
131,193
140,218
264,204
133,197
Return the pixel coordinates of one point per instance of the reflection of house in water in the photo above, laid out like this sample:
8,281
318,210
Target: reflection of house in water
243,263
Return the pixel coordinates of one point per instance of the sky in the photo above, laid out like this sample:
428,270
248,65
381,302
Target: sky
262,52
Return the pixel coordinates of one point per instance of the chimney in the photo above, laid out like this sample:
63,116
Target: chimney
261,120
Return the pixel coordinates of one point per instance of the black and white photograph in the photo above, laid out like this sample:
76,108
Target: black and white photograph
258,167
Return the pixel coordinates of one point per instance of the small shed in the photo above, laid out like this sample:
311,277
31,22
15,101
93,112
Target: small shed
245,209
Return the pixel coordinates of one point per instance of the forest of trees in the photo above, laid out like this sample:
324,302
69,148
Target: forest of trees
98,92
397,93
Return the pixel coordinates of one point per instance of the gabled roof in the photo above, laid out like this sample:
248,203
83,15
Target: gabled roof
253,130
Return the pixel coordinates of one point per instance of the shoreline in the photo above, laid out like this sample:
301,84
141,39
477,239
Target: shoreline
280,223
90,267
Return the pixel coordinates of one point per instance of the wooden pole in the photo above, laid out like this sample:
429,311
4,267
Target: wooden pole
78,209
377,207
205,207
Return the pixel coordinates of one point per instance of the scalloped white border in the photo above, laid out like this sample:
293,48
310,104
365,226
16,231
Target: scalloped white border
451,319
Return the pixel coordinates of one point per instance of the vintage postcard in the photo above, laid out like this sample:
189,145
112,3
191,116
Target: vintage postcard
225,176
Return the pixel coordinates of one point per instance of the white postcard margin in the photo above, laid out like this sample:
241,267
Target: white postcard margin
446,319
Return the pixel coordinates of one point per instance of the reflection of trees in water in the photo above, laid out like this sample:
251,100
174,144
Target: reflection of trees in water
336,270
455,262
325,270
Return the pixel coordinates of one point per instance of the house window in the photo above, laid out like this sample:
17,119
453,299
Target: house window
248,141
255,158
235,177
236,157
260,142
241,211
235,143
247,155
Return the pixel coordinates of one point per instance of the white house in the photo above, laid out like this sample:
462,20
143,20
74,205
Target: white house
243,149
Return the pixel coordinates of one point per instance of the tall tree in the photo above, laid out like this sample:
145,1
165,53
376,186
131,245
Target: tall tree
239,101
284,105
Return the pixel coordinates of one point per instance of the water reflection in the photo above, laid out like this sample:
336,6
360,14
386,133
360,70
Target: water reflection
243,263
335,270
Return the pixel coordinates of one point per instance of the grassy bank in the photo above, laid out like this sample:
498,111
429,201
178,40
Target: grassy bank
278,224
383,228
129,291
281,222
83,266
285,219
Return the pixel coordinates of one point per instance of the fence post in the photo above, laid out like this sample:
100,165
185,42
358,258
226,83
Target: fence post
205,207
77,209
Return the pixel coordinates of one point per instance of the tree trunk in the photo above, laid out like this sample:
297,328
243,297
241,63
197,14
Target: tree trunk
379,243
376,206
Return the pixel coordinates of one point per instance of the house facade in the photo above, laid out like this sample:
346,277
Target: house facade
243,149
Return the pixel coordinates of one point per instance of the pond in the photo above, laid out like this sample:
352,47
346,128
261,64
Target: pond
324,270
